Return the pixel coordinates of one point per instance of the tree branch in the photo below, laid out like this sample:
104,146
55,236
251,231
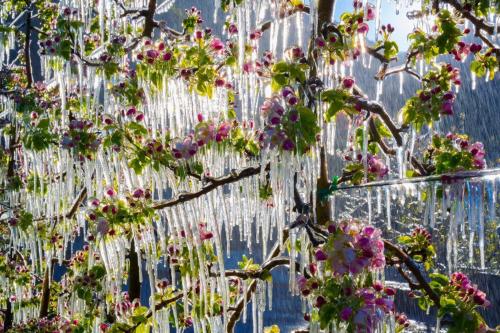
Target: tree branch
27,46
413,268
45,299
214,183
149,22
323,211
325,12
479,23
378,109
375,135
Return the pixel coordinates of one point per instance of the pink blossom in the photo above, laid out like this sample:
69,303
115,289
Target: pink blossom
217,45
248,67
370,12
233,29
256,34
348,82
346,313
363,28
185,149
475,48
288,145
223,131
320,42
138,193
447,108
320,255
302,283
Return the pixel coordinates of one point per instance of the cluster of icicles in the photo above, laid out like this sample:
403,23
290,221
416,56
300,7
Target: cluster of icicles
234,209
464,211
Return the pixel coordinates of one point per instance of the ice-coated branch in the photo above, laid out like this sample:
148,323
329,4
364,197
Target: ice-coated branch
325,12
129,11
260,273
149,22
134,281
323,210
405,259
378,109
397,257
445,178
388,71
212,185
375,137
45,298
479,23
27,48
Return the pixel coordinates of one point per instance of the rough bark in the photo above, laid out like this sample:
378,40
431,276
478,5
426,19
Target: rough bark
134,284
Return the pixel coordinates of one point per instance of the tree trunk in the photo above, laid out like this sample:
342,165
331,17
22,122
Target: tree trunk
323,213
8,319
134,284
44,302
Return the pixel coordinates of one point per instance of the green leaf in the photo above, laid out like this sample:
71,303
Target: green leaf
337,102
253,147
297,73
99,271
278,81
478,68
137,128
405,239
280,67
440,278
143,328
272,329
326,314
423,303
266,275
25,220
139,315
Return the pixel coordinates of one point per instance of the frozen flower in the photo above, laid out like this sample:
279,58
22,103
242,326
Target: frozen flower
185,149
346,313
348,82
475,48
216,45
320,42
363,28
447,108
288,145
320,255
370,12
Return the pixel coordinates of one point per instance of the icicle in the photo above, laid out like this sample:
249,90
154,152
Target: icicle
377,19
401,80
379,200
400,159
432,206
369,198
379,90
245,301
388,207
254,313
438,324
480,208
